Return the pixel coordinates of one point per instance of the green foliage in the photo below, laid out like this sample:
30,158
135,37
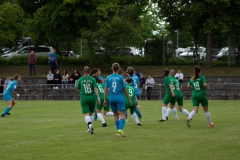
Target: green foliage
11,26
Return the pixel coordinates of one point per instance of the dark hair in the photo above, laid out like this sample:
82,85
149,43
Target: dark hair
96,78
128,80
14,78
130,71
65,72
197,70
165,72
94,71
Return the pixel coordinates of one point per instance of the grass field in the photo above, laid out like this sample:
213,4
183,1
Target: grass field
56,130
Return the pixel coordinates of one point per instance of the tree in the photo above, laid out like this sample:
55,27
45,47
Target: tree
11,26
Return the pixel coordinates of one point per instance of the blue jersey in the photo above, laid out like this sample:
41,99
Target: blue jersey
115,83
135,82
12,86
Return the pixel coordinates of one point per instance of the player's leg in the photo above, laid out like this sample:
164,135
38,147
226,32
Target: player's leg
115,110
134,116
121,108
7,98
204,103
13,103
194,111
166,100
138,111
86,111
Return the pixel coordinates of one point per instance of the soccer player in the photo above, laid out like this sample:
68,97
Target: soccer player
7,95
86,87
99,107
199,85
135,85
133,97
169,96
179,98
115,85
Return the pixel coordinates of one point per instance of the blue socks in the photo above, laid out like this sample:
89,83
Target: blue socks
121,124
6,110
95,115
138,113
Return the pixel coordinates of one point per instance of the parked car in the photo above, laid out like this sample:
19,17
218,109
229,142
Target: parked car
214,54
179,51
188,53
124,51
40,50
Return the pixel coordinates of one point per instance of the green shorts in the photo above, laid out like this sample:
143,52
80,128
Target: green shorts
179,99
169,99
101,106
132,107
88,104
198,98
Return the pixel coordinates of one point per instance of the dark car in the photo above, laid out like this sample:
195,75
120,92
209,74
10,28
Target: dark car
67,53
123,51
214,54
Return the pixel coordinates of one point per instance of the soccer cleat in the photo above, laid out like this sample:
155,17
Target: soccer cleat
126,120
2,115
118,134
166,117
188,123
141,119
211,125
90,130
104,125
121,132
162,120
8,114
139,124
177,119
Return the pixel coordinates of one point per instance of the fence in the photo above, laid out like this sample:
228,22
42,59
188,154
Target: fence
216,91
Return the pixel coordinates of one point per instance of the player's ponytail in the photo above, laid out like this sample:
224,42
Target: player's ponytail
197,70
16,76
86,71
130,71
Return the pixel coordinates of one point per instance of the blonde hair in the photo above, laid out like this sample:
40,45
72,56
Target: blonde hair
87,71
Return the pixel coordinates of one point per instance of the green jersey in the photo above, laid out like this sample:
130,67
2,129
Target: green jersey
197,84
132,94
100,88
167,81
177,86
86,89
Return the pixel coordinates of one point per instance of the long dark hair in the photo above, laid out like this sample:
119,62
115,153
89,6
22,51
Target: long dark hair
130,71
96,78
197,71
165,72
87,71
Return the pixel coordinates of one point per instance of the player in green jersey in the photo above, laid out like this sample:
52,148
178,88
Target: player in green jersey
135,103
86,87
99,107
199,85
179,98
169,96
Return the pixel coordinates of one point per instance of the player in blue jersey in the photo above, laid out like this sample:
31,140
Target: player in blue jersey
7,95
116,86
135,85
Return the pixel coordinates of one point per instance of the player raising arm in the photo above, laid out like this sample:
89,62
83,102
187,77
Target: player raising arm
199,85
115,85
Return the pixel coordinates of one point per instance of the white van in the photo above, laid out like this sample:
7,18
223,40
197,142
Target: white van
39,51
188,53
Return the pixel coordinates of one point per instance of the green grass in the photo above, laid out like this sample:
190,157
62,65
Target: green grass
56,130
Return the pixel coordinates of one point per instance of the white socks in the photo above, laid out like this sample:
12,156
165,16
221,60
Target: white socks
100,117
191,114
168,112
164,112
185,111
134,116
88,120
208,117
109,114
175,113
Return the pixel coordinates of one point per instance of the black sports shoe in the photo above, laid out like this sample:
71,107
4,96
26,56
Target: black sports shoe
162,120
166,117
8,114
2,115
104,125
139,124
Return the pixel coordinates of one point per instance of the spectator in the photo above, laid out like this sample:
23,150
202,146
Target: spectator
179,76
32,61
64,79
57,79
74,77
6,83
149,83
1,86
142,82
138,74
50,77
52,59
